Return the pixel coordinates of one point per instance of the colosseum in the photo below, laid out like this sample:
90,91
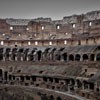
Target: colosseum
45,59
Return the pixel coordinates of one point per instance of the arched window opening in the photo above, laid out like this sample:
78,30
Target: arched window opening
51,97
85,57
31,57
13,57
1,72
91,86
98,57
58,57
59,98
71,58
92,57
64,56
5,75
22,78
91,75
1,56
77,57
39,54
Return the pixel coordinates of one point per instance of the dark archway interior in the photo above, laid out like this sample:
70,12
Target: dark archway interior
77,57
92,57
71,57
85,57
39,53
1,72
65,56
98,57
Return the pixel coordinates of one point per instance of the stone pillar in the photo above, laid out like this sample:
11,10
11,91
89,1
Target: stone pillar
81,59
4,57
16,59
88,86
27,58
10,57
83,86
95,57
76,85
68,87
21,58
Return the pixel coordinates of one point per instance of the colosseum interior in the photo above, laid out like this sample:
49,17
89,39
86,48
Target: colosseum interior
45,59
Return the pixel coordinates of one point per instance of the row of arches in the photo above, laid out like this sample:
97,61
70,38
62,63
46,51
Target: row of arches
79,57
47,54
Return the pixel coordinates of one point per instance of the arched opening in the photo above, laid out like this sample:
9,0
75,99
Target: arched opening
79,84
58,57
1,57
51,97
77,57
7,53
1,73
22,78
52,56
71,57
85,57
39,55
91,75
5,75
98,57
92,57
91,86
59,98
64,56
31,57
14,56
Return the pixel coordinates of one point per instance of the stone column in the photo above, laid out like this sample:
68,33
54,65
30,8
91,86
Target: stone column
27,58
16,59
4,57
81,58
83,86
21,58
95,57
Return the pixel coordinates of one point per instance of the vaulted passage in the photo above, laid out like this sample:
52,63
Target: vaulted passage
58,98
92,57
77,57
98,57
1,56
39,55
64,56
71,58
85,57
1,73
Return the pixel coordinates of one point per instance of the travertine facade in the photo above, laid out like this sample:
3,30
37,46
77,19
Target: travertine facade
58,59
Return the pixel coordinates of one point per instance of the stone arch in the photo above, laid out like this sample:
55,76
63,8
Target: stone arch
14,52
45,54
51,97
1,73
85,57
58,57
79,83
1,56
58,98
92,56
1,53
91,75
64,56
77,57
98,57
7,53
71,57
39,55
5,75
52,54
